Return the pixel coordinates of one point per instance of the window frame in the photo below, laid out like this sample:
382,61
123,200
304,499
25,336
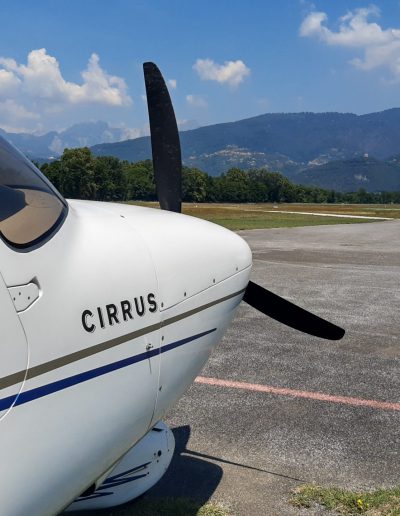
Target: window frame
54,228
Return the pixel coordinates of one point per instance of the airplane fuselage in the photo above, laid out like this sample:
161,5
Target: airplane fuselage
126,304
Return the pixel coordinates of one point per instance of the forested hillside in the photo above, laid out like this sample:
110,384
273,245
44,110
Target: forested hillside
339,151
80,175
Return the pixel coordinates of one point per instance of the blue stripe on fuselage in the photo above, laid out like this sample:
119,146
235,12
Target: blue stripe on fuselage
44,390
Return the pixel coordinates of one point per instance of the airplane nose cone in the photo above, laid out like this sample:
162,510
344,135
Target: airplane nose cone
189,254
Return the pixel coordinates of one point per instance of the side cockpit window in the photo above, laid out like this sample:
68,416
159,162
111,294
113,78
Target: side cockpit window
30,207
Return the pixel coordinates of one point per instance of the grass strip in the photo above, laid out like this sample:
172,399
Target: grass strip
278,221
380,502
257,216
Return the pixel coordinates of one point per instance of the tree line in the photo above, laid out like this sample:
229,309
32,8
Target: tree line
78,174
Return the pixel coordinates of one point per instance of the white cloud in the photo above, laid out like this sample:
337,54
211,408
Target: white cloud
381,47
130,133
196,101
99,86
38,89
187,124
172,83
10,109
231,72
8,82
41,77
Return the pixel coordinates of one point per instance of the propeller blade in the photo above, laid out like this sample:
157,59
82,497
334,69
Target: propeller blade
165,145
287,313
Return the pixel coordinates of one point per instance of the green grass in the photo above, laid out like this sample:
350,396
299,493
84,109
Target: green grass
380,502
257,216
277,220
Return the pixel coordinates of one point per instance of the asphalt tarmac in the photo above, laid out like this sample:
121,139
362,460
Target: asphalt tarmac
249,449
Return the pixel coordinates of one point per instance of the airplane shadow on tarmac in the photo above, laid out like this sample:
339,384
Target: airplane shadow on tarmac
188,476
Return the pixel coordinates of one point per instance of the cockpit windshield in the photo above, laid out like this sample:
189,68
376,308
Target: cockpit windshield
30,207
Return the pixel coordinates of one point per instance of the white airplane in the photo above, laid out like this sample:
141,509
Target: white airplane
108,313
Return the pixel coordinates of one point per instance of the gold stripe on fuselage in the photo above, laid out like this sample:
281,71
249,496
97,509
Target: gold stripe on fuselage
51,365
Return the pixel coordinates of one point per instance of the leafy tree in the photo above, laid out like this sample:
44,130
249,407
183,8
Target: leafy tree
110,179
54,173
77,174
194,185
140,180
235,186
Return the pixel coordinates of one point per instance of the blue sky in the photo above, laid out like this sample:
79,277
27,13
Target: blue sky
68,61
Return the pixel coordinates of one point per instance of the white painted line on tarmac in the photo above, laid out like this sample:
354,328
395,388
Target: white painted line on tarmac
341,216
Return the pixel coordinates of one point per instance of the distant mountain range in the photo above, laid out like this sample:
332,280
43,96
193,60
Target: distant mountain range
52,144
331,150
342,151
350,175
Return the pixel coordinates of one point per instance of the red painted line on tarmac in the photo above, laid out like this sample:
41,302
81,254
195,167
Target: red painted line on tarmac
310,395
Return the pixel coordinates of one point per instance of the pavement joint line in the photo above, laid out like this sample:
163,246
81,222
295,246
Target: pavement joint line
295,393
